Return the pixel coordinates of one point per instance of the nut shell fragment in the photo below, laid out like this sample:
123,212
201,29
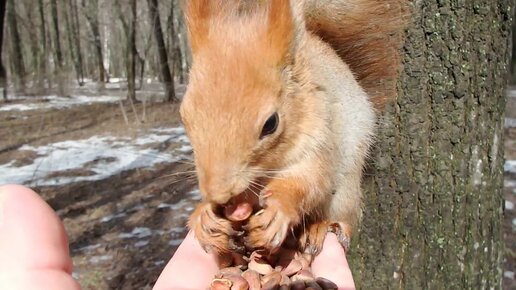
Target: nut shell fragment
239,283
221,284
253,279
260,267
293,267
271,281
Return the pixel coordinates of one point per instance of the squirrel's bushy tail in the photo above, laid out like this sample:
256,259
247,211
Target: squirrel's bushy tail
367,35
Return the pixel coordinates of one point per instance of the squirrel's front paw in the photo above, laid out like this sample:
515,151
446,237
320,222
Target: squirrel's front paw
268,228
312,238
215,234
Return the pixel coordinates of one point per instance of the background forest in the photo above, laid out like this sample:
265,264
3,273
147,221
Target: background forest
53,46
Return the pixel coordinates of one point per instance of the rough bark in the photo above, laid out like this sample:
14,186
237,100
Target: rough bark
17,52
433,200
3,75
166,76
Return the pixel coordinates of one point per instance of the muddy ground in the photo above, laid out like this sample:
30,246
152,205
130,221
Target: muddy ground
123,229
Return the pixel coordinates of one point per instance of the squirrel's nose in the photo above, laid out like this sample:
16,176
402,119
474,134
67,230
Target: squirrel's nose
217,190
221,198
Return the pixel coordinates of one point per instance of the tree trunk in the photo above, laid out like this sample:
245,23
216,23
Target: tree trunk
175,45
57,40
42,69
433,198
513,61
74,14
3,75
166,77
72,34
91,13
129,29
131,54
17,52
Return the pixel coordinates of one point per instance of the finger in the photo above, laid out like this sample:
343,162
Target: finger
189,268
33,243
332,264
38,280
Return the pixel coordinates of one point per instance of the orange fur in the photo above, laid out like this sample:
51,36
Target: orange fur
311,65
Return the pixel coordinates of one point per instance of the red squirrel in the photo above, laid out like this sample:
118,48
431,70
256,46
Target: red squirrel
280,110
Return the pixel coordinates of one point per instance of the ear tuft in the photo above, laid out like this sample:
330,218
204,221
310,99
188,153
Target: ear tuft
281,29
198,14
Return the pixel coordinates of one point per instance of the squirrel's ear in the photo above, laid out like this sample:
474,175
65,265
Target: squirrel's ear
198,14
281,29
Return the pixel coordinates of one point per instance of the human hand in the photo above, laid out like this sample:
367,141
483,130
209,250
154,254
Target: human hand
34,251
192,268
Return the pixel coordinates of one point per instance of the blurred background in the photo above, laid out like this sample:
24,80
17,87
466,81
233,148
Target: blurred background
89,119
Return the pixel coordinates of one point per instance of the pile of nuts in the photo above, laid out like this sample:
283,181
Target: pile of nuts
290,273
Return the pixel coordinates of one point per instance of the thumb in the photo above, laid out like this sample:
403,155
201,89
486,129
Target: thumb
33,244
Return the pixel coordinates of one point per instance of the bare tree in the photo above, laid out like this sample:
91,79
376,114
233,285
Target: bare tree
91,8
47,40
42,62
3,75
130,34
57,41
174,42
72,26
166,76
17,61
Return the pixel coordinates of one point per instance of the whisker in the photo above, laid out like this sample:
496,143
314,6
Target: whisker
257,185
252,189
193,172
180,180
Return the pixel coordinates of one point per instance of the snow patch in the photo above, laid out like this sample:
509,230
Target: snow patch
510,166
137,233
510,123
175,242
96,158
89,248
99,259
176,206
112,217
55,102
509,205
509,183
141,244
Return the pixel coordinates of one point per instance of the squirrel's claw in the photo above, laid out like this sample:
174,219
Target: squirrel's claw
268,228
343,233
215,234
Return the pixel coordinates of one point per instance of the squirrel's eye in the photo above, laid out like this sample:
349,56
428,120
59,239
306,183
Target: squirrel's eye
270,125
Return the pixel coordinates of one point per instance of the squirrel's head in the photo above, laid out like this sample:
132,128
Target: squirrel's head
239,110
